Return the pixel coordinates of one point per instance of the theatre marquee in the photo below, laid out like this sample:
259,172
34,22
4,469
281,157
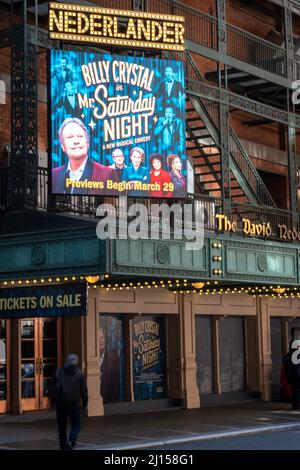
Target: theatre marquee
117,27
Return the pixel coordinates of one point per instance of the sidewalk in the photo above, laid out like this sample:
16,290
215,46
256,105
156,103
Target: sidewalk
142,430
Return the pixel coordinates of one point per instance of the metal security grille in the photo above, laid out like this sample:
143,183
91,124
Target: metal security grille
232,354
204,358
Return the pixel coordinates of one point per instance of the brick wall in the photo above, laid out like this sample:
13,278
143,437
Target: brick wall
42,126
250,20
263,134
266,135
207,6
42,105
42,68
5,111
5,104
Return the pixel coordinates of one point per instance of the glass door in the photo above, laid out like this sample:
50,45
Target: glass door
49,355
40,357
29,364
4,365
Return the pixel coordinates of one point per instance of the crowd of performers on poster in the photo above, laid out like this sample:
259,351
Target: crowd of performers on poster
118,125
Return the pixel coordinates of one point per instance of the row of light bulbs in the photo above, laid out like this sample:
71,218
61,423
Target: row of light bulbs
107,11
121,42
181,286
89,279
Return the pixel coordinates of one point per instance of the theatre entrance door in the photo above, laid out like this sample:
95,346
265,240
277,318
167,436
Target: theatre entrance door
41,354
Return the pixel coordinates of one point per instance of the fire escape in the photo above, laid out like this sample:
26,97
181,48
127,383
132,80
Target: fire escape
204,145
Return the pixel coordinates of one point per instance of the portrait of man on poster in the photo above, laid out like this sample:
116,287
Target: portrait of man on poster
75,141
119,162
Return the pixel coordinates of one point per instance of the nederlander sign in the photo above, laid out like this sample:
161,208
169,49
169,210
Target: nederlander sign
249,228
117,27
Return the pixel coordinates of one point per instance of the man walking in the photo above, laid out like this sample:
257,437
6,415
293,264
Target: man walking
68,391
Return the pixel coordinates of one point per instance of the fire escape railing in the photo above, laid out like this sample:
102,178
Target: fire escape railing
86,206
297,67
260,215
256,51
202,29
251,176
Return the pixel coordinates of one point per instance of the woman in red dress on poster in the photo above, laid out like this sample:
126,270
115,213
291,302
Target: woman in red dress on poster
160,176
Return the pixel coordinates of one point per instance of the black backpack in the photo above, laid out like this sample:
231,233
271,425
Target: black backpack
54,390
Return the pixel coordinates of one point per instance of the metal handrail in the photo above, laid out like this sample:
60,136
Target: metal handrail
254,37
119,4
207,106
202,28
164,6
297,67
249,171
256,51
273,216
87,205
205,35
270,210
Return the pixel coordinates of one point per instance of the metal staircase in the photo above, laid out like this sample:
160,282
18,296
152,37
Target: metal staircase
203,144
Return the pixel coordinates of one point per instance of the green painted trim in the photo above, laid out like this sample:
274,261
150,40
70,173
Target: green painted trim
264,262
80,252
55,253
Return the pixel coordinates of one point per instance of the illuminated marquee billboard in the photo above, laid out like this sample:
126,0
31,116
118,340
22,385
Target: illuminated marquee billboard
117,125
117,27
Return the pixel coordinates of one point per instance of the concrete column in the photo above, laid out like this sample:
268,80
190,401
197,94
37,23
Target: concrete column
265,359
191,395
285,334
92,361
173,357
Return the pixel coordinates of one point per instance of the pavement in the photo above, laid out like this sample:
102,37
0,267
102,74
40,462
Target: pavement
37,430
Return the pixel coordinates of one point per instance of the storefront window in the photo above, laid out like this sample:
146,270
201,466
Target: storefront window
149,358
2,329
112,359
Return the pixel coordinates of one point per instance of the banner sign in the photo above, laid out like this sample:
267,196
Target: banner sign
116,27
117,125
149,358
43,301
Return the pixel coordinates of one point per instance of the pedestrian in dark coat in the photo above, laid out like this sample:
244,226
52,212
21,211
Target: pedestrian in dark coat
68,390
293,376
285,387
